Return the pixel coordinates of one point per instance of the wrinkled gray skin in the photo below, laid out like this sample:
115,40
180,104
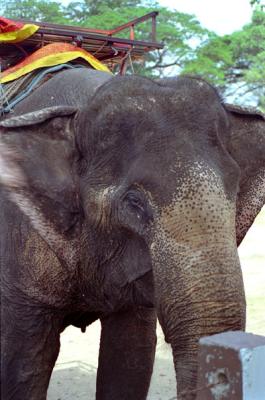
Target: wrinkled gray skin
152,175
62,261
211,280
247,147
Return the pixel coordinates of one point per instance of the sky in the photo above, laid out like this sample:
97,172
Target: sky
220,16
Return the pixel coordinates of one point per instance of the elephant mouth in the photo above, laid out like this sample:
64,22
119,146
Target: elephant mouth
143,291
139,293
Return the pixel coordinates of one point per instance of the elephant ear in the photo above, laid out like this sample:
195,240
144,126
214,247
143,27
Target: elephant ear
37,155
247,147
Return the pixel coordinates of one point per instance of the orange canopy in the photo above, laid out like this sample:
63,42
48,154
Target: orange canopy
50,55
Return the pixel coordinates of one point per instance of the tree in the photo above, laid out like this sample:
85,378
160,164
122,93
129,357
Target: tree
235,63
36,10
83,9
257,3
179,32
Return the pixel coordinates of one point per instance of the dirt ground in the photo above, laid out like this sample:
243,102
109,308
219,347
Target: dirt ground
74,376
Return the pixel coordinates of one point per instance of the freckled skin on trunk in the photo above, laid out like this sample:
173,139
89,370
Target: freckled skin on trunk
197,274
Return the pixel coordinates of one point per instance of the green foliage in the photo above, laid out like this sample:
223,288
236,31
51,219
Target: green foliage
37,10
181,33
211,61
259,4
82,10
235,63
177,31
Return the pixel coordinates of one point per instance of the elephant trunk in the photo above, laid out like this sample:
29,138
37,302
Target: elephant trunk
202,298
198,280
211,304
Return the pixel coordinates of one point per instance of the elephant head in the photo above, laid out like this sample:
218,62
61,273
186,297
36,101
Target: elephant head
51,170
145,175
160,156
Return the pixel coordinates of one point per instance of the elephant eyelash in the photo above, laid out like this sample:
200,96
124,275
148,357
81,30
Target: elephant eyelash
137,204
135,201
132,196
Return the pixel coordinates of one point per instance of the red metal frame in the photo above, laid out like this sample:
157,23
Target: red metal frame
106,32
102,43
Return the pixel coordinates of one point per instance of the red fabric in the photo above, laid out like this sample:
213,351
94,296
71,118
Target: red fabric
6,25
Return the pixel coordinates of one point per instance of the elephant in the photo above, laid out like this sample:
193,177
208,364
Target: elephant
136,196
50,276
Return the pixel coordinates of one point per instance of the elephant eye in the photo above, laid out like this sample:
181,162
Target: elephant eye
135,212
135,201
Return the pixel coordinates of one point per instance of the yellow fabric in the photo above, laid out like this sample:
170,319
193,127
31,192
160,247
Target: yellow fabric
17,36
55,59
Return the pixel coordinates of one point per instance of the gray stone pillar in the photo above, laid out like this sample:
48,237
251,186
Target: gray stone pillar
232,367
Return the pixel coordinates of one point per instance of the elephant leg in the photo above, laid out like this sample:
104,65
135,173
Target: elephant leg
127,350
29,348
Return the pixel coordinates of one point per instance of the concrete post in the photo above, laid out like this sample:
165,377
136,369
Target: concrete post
231,367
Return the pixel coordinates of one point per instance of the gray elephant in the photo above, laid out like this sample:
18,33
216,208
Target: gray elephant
140,179
63,259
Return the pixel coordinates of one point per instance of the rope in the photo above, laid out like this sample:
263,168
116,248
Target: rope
131,63
12,88
3,95
128,55
100,48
